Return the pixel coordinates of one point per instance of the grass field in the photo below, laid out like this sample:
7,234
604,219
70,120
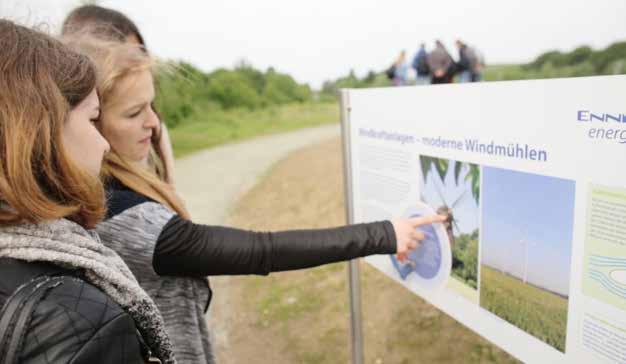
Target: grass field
219,127
504,72
541,313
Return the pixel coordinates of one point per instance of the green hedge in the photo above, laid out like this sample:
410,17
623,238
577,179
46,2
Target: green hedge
184,91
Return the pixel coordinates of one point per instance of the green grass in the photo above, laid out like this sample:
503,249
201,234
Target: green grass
500,72
541,313
217,126
288,303
505,72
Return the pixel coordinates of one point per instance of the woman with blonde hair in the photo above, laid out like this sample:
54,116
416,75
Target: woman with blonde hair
148,225
65,297
111,24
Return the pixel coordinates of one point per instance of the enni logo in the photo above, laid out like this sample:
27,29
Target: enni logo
609,126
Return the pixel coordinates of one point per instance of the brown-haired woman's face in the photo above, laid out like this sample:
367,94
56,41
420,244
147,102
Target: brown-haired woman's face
128,121
82,141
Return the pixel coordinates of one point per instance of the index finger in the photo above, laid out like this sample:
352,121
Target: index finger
424,220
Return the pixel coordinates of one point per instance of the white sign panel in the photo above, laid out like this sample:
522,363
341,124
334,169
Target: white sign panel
532,175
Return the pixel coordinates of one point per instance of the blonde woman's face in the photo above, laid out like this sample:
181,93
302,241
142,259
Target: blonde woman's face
81,140
128,120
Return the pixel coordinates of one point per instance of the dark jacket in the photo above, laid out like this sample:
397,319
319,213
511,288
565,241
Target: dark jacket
440,60
74,322
420,63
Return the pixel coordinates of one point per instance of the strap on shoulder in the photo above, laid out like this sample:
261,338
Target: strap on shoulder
17,312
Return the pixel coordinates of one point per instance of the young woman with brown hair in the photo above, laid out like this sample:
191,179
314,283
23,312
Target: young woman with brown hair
147,223
65,297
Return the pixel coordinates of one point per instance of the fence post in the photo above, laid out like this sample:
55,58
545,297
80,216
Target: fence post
356,328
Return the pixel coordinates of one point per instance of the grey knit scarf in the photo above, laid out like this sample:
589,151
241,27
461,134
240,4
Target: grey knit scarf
67,243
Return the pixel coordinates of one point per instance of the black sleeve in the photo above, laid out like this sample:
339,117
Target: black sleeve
185,248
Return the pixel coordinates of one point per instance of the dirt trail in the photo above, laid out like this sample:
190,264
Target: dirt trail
211,182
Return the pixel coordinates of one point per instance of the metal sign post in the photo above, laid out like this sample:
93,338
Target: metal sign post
356,329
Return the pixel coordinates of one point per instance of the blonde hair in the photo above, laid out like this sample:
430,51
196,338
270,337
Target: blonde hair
42,80
114,62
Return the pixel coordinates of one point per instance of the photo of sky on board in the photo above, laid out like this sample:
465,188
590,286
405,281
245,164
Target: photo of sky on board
526,251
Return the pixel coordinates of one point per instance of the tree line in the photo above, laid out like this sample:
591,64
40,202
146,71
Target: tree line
183,90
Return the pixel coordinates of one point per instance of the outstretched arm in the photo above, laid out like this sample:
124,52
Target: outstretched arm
185,248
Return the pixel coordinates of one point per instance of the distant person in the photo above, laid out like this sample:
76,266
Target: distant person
401,70
441,64
479,67
469,67
420,65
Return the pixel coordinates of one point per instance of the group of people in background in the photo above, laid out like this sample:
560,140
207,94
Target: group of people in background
438,66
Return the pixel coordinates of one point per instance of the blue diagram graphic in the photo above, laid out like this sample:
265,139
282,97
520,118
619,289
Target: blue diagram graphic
430,264
599,266
425,260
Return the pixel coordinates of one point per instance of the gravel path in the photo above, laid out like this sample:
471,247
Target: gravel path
212,181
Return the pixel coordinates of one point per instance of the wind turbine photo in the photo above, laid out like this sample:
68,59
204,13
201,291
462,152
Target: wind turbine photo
526,256
452,188
526,244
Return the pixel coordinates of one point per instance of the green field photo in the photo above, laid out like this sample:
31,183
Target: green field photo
526,251
540,313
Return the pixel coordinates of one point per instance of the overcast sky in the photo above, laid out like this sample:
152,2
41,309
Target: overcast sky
323,39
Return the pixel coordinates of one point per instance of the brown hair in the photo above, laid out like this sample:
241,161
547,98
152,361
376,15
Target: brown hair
113,24
41,81
115,61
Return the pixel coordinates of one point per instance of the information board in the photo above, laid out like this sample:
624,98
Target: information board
532,175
